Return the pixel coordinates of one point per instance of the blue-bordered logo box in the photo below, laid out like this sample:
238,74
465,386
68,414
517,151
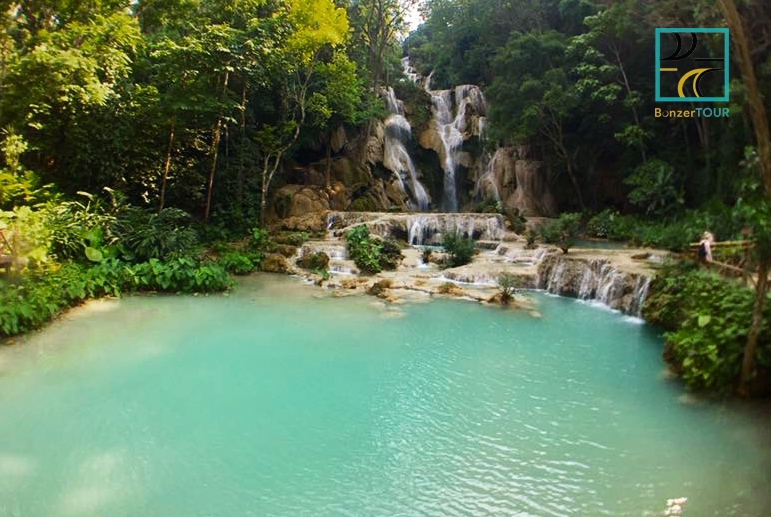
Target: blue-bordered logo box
681,71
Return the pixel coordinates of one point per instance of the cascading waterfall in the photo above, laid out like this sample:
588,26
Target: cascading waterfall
486,187
426,229
409,71
451,128
593,279
395,155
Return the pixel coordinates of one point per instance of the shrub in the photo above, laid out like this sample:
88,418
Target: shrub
390,254
181,274
33,300
295,239
602,223
459,249
260,240
563,231
78,231
238,263
707,319
653,187
509,285
147,235
364,251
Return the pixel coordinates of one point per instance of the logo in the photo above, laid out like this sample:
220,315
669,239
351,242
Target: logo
691,65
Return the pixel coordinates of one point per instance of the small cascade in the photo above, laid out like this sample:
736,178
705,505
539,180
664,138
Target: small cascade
429,229
486,186
395,155
593,279
451,110
409,71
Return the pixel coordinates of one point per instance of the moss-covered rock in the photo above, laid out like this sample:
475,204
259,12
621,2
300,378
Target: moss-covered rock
314,261
275,263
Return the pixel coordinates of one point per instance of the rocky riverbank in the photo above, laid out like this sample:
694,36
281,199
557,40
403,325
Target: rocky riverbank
617,277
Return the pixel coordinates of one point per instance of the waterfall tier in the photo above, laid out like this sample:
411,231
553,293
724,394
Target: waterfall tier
395,155
593,279
421,229
457,115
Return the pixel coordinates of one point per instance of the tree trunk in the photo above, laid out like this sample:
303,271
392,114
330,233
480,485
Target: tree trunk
213,151
760,122
748,363
216,133
166,165
241,153
264,192
629,94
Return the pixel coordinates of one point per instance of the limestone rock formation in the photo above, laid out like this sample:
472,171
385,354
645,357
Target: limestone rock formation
518,182
296,200
593,279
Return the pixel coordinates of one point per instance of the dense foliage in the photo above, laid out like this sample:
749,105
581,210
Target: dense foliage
572,80
562,232
370,254
707,319
460,250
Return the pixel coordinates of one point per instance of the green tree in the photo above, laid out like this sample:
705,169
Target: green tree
313,27
541,102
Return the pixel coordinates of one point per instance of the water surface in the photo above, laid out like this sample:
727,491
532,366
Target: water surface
273,402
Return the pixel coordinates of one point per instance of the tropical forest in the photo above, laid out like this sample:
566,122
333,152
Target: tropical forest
248,168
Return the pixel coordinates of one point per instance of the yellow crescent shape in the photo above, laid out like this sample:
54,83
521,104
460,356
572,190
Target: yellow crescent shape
697,72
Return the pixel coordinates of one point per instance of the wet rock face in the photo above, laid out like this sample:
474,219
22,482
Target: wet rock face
297,200
518,182
591,279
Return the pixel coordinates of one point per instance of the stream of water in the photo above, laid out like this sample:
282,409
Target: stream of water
279,401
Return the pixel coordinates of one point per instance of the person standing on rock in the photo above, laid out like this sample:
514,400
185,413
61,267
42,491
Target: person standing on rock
705,249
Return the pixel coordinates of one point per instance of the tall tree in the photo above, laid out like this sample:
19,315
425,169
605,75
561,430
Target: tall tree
313,26
759,119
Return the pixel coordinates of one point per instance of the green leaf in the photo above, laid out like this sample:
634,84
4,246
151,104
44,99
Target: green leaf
704,320
93,254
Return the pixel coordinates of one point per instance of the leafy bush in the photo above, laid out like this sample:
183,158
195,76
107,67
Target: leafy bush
601,225
364,250
295,239
180,274
261,241
238,263
563,231
459,249
78,231
147,235
390,254
509,285
707,319
654,187
488,206
36,298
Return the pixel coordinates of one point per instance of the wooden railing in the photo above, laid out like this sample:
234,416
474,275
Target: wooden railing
742,269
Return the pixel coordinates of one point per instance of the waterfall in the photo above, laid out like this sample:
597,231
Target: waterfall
593,279
451,128
486,185
409,71
429,229
395,155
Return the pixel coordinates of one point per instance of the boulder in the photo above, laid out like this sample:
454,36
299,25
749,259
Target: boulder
353,175
295,200
520,183
275,263
373,151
